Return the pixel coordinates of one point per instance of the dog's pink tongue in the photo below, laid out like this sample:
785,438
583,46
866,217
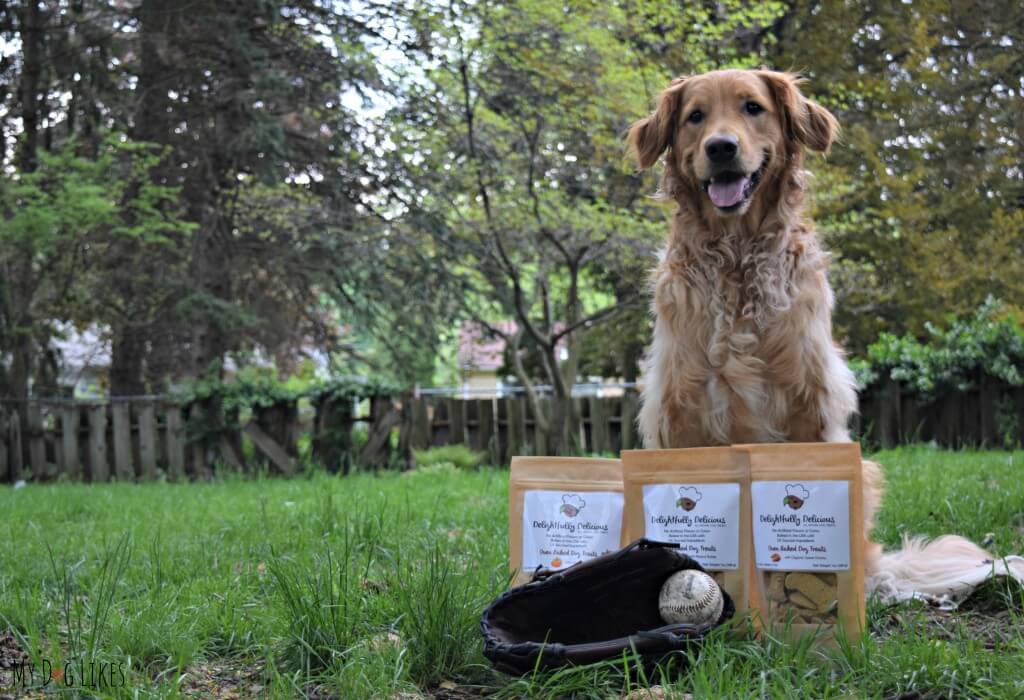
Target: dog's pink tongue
726,194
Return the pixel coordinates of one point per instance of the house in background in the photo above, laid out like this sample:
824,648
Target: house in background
84,358
481,359
84,361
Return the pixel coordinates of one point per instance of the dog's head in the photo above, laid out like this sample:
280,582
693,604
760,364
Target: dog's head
731,131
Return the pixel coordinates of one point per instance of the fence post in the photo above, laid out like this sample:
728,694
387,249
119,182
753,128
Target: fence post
147,441
99,470
17,464
598,426
540,437
889,414
175,437
988,430
4,447
440,423
516,425
577,438
421,424
123,467
456,421
484,410
628,424
1018,402
69,433
405,432
951,420
36,441
198,414
500,440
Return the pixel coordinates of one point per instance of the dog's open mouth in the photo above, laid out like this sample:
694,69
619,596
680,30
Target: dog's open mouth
729,190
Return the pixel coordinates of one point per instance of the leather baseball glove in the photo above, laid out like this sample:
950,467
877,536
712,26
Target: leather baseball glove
591,611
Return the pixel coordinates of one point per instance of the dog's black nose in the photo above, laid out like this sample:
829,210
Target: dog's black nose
721,149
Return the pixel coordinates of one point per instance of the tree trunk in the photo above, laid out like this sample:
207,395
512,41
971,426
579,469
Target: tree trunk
32,38
126,362
210,277
631,354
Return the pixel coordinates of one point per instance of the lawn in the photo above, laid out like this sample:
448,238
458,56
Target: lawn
372,586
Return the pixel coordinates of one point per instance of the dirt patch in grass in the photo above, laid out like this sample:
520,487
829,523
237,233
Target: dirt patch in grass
11,653
224,679
990,616
449,690
993,630
445,691
11,656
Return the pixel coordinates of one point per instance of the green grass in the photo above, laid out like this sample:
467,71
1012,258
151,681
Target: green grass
372,586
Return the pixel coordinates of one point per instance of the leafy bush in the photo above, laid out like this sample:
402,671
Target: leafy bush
988,343
459,455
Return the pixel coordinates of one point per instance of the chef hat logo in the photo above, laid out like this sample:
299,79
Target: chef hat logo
797,490
796,494
572,504
690,492
688,498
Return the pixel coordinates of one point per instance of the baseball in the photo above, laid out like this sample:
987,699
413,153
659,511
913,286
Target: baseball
690,596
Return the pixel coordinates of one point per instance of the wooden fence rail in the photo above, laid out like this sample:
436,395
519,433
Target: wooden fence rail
144,439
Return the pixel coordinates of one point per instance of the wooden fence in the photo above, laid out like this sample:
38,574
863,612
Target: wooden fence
146,438
991,415
508,426
141,439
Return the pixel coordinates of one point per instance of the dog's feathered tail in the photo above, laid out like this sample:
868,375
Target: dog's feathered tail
944,570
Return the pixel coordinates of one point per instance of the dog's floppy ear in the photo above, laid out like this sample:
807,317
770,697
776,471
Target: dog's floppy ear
804,122
649,137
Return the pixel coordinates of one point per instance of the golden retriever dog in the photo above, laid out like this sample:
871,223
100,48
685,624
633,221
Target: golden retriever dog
742,348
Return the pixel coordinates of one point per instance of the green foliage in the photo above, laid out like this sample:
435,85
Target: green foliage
921,199
258,391
510,143
988,343
73,229
459,455
342,388
263,389
472,168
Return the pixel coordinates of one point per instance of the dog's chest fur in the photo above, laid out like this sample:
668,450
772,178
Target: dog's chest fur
733,307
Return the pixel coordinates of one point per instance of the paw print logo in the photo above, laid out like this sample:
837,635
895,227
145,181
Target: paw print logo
796,494
689,496
571,506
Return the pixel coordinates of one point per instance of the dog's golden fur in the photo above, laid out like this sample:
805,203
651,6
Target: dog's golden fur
742,348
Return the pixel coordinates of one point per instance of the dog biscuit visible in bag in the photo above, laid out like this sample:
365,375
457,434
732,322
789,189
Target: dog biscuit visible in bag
808,527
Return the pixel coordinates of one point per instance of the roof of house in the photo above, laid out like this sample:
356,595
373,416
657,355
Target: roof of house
482,349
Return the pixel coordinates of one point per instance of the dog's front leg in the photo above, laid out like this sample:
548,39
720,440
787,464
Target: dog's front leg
675,369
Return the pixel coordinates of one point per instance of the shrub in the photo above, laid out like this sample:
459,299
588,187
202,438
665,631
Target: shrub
459,455
988,343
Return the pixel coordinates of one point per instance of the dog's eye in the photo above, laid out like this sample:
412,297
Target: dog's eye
696,116
753,109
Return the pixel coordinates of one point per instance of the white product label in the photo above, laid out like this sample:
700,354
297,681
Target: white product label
801,525
561,528
704,519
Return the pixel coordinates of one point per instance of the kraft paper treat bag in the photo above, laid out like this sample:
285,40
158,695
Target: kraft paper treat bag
698,498
808,526
562,510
